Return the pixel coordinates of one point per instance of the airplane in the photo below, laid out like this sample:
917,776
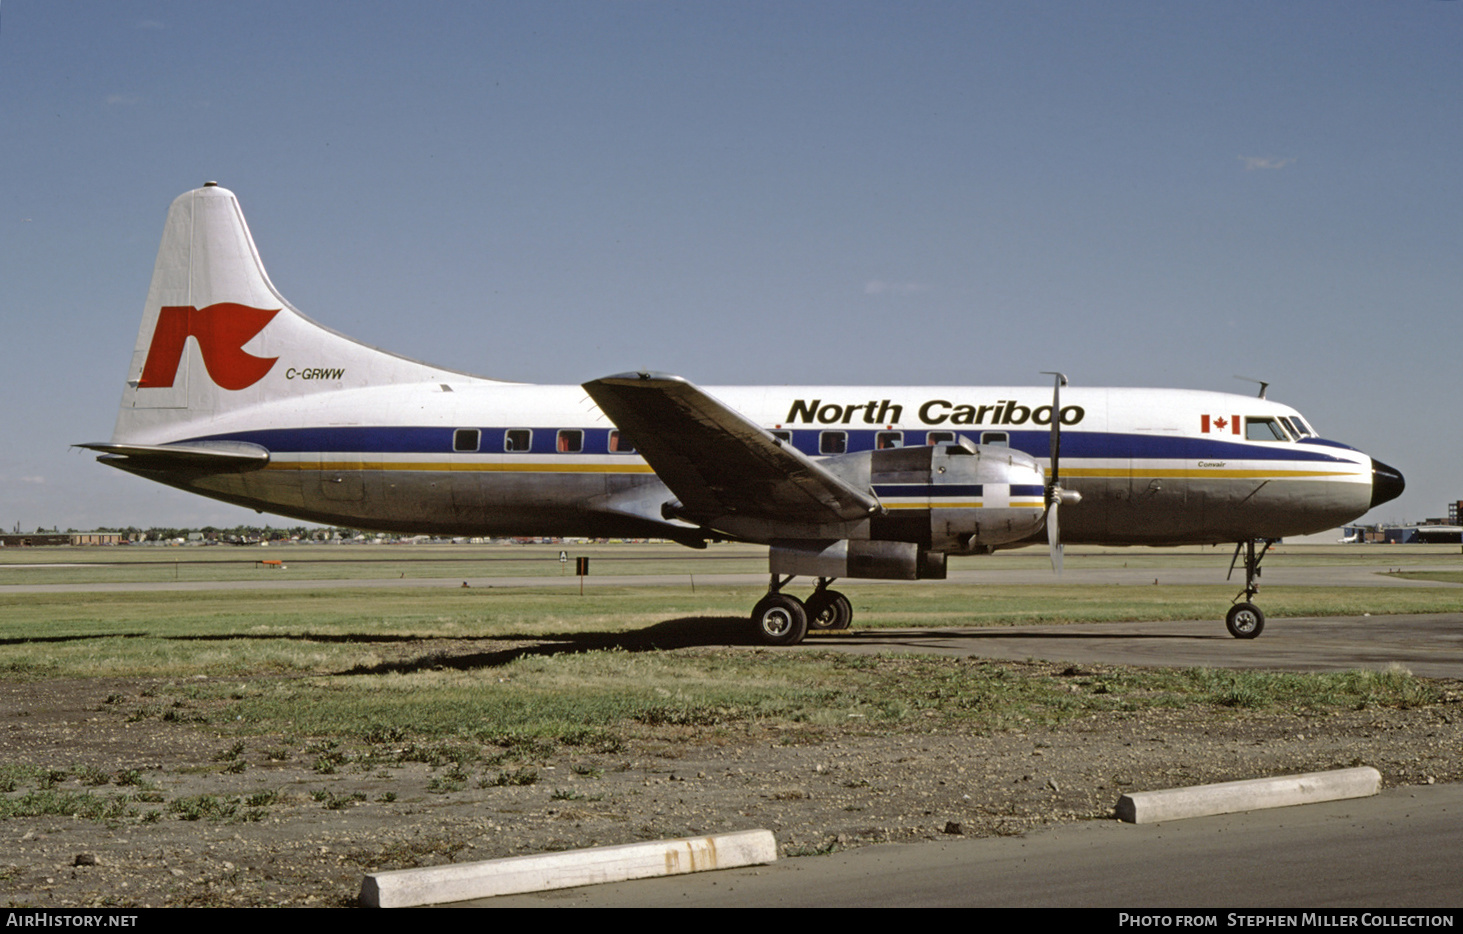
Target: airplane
234,394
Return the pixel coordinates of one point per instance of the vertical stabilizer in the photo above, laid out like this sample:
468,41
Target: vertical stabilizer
217,336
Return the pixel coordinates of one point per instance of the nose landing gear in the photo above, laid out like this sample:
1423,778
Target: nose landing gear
1245,620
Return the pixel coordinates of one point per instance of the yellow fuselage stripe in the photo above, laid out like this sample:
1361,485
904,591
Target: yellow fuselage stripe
642,468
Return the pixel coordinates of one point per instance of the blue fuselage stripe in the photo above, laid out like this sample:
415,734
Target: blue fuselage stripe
404,439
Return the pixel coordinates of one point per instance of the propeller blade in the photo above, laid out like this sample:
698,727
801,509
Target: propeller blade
1054,536
1058,381
1054,482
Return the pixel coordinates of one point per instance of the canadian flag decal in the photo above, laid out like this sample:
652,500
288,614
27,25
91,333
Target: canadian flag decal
221,330
1209,424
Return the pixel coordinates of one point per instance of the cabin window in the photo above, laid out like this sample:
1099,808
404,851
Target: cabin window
466,440
570,441
832,442
619,444
997,439
885,440
518,440
1263,429
782,434
939,437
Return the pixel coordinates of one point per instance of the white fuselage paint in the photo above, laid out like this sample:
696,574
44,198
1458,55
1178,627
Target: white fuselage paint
1146,472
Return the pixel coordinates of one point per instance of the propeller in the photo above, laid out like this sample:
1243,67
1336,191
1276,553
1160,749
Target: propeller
1055,495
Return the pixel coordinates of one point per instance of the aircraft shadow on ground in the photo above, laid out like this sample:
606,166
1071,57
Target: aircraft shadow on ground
705,631
684,632
671,634
687,632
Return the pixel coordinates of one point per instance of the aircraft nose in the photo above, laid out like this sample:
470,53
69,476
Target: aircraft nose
1387,483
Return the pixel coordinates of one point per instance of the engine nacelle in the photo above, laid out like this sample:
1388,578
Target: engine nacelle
904,561
959,497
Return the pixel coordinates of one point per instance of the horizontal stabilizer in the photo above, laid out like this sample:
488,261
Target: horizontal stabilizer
198,455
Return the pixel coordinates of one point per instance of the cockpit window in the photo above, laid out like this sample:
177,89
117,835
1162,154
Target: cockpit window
1263,428
1302,429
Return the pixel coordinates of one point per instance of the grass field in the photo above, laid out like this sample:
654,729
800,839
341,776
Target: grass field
531,662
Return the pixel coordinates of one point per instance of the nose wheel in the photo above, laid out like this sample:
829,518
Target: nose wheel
1245,620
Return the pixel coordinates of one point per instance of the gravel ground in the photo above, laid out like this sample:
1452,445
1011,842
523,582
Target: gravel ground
307,836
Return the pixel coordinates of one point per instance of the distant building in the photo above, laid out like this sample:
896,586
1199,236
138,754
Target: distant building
60,538
95,538
35,539
1431,534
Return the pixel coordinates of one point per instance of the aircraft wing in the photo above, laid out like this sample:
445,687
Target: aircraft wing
716,461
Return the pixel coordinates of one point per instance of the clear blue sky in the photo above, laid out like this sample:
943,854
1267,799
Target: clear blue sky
1137,193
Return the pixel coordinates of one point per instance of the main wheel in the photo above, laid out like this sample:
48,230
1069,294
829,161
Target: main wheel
1245,621
780,619
829,609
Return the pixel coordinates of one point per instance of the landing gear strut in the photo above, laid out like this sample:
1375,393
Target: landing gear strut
1245,620
782,619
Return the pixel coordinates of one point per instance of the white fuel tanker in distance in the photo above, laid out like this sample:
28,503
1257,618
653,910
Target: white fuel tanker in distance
235,395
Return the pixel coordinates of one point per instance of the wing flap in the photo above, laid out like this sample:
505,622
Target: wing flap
715,460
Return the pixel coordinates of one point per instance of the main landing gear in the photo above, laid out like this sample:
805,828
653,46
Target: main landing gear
1244,620
782,619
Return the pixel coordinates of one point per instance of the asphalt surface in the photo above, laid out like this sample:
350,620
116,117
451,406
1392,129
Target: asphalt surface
1402,849
1427,644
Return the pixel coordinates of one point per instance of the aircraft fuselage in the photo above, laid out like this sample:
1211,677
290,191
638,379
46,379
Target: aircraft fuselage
512,459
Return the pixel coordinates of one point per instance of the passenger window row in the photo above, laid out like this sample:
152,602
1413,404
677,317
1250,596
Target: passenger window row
520,441
836,442
572,440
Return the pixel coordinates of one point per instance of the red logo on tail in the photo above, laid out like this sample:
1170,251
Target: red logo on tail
221,330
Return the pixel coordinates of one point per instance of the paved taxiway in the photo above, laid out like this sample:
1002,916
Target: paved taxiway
1427,644
1400,849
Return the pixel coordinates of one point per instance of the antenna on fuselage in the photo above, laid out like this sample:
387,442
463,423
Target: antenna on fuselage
1250,379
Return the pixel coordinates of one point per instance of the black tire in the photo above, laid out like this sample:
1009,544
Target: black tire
780,619
829,609
1245,621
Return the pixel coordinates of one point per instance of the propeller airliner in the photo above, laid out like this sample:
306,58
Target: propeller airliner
235,395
